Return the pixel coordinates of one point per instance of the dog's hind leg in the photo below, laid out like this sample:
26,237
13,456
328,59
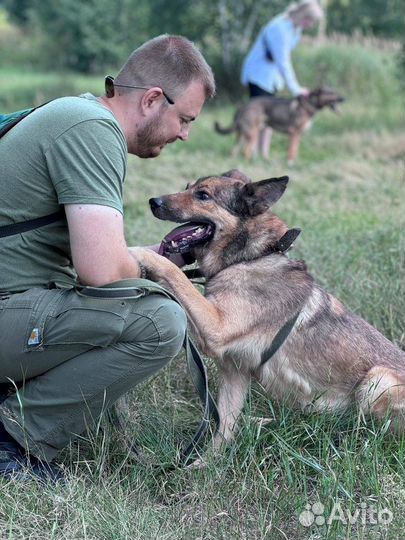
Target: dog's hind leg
265,142
382,393
251,146
231,397
293,147
238,146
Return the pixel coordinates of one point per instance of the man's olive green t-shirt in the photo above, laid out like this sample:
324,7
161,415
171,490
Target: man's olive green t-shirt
70,151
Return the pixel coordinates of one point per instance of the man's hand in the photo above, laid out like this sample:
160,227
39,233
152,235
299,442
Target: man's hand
305,91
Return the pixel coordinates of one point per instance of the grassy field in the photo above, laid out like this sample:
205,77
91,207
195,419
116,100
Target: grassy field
347,195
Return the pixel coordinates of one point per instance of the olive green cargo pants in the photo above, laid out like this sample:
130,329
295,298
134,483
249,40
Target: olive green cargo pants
72,356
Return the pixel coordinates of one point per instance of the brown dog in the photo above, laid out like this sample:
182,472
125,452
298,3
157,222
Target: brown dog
289,115
255,296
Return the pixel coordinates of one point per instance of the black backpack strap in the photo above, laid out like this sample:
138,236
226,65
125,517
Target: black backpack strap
16,117
14,121
24,226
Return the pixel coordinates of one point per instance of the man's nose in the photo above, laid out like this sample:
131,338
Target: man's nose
183,135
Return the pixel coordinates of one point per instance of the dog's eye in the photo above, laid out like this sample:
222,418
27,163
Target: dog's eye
202,195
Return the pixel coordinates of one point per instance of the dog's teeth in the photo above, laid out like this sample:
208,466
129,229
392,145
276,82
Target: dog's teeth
174,244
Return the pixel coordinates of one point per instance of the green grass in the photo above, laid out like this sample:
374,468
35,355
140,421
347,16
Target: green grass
347,195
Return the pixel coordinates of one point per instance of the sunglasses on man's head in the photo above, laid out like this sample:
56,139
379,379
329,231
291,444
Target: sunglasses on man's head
109,88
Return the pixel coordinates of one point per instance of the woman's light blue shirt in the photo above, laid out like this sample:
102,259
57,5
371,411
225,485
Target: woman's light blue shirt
281,36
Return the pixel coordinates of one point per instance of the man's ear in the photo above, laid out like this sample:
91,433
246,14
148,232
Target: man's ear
238,175
260,196
151,98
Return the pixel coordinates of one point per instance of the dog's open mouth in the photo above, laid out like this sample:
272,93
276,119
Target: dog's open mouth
185,237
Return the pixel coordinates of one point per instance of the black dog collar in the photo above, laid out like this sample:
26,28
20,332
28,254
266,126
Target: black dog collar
286,240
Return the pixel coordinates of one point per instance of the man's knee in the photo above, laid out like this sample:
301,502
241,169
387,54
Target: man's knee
171,323
155,328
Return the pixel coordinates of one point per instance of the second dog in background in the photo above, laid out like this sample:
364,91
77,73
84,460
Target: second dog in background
292,116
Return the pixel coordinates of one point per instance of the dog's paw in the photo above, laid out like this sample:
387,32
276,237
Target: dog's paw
261,421
199,463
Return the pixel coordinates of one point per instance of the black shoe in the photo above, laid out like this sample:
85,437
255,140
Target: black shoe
16,464
5,390
11,458
45,471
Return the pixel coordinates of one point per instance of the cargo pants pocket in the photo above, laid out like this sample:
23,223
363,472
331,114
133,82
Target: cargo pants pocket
62,320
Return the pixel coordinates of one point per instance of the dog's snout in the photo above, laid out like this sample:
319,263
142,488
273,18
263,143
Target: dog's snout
156,203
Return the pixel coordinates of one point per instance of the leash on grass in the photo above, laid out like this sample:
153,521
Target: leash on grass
194,360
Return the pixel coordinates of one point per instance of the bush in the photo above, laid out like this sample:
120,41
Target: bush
354,70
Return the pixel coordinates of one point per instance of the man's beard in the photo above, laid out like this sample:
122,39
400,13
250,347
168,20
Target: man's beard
150,139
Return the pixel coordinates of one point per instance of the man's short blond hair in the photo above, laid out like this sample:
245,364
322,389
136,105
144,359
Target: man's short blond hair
170,62
306,8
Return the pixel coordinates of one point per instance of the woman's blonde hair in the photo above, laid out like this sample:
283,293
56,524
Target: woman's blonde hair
305,8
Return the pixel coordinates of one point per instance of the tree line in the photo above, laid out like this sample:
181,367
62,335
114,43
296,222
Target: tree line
93,35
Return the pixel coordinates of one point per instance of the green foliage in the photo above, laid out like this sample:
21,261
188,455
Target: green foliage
80,35
353,69
93,35
366,16
18,10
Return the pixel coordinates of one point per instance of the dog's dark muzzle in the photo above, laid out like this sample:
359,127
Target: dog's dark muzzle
160,210
156,203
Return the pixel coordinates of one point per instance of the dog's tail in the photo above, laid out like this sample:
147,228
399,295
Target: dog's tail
225,131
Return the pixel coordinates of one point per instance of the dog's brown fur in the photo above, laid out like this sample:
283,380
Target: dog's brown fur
288,115
331,358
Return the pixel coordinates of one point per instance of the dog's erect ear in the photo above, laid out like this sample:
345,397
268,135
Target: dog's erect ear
260,196
234,173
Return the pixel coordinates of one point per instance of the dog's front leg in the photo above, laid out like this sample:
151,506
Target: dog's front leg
207,319
231,397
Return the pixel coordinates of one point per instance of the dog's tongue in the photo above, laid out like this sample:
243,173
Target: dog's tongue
183,238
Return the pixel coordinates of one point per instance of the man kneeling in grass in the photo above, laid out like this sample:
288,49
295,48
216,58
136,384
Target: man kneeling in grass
70,355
